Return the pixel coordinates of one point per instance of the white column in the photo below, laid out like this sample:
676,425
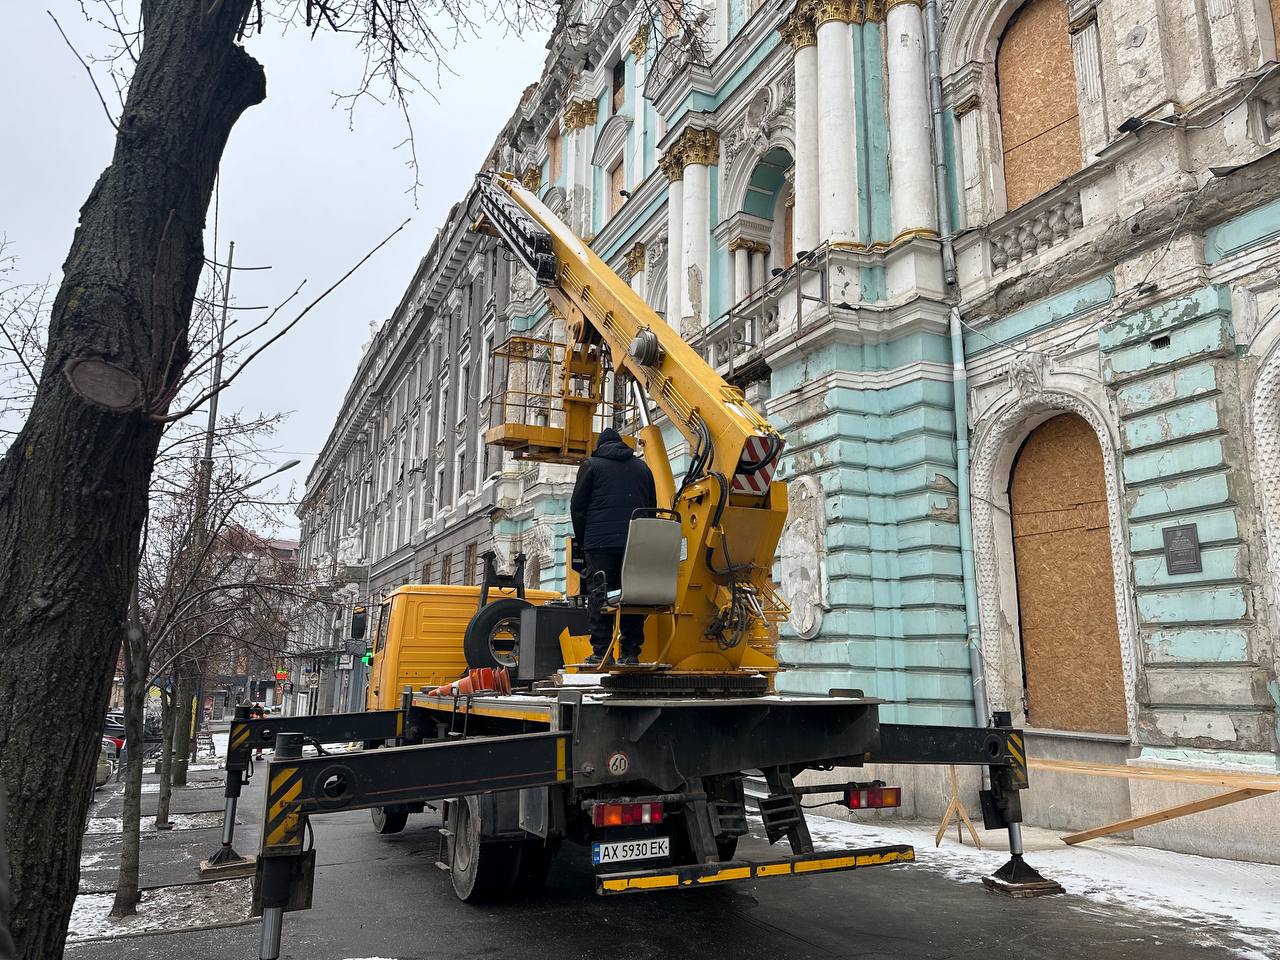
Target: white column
579,124
837,175
638,47
910,155
757,268
806,159
695,236
742,285
675,248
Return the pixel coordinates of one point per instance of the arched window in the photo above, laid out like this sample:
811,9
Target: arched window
1039,122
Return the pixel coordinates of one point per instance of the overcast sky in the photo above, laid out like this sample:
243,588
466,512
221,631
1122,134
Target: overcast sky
300,190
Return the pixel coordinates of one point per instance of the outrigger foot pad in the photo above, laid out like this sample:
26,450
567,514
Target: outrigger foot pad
1017,879
227,863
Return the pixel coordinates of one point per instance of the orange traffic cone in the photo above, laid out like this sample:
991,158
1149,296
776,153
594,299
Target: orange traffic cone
481,680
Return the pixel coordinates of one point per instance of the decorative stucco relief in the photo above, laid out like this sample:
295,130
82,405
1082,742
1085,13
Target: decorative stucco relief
803,549
1265,413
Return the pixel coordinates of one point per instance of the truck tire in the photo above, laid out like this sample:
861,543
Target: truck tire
492,638
481,871
388,821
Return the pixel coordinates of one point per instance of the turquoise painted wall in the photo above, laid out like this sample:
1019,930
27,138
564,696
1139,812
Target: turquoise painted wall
1167,366
885,460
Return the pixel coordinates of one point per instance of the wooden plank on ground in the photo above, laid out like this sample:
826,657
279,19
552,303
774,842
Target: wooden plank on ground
1211,778
1168,813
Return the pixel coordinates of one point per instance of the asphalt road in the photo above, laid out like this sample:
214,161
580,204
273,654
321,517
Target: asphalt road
383,897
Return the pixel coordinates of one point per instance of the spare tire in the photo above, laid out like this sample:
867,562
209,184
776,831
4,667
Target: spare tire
492,638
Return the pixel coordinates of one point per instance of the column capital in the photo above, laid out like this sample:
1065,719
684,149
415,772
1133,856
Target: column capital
532,178
695,145
843,11
888,5
798,29
749,245
671,165
579,114
635,259
640,42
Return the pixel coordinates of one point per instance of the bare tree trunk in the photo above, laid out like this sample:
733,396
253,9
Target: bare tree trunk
73,485
183,688
166,760
135,696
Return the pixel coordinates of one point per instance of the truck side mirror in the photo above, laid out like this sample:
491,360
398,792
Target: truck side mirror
359,620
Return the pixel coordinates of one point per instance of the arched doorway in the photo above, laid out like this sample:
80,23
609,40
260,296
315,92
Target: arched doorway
1072,669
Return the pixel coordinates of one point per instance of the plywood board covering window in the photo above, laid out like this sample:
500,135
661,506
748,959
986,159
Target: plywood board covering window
617,183
1039,120
554,152
1074,678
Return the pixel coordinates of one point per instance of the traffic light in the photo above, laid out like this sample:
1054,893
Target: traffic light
367,659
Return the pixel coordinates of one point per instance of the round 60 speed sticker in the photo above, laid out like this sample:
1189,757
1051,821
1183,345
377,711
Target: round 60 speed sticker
618,764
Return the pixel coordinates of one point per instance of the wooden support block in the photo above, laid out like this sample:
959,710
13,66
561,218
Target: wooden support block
1169,813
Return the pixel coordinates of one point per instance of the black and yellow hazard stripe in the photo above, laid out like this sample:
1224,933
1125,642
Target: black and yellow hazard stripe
1015,748
239,737
707,875
283,827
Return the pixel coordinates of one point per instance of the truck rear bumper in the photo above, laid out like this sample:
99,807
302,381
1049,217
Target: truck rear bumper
708,874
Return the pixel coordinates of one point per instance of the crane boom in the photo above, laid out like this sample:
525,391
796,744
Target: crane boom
731,508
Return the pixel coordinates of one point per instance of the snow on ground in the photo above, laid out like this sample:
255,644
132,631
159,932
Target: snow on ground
180,821
1160,883
163,908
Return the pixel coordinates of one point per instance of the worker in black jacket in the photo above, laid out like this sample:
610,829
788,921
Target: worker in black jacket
612,484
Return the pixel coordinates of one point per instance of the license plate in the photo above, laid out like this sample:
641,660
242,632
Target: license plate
604,853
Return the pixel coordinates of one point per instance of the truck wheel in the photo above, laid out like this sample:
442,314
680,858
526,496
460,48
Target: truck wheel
492,638
388,821
481,871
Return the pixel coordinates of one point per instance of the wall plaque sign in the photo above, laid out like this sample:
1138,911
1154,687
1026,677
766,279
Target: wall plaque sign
1182,549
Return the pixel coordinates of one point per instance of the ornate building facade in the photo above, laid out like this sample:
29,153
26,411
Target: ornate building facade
1003,273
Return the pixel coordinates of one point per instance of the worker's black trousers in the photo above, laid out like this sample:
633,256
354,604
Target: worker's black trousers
599,623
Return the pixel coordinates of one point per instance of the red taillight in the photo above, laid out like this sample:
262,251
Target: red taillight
872,798
625,814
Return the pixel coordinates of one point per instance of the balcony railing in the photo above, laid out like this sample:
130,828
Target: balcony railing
1036,228
734,343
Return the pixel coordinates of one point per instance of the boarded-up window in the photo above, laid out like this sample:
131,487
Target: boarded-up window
1275,24
1066,595
554,156
1039,122
446,569
617,183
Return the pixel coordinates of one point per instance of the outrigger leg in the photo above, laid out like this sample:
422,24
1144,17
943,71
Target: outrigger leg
1002,807
225,860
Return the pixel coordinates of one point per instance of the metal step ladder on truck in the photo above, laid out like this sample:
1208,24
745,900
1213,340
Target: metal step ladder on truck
645,764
